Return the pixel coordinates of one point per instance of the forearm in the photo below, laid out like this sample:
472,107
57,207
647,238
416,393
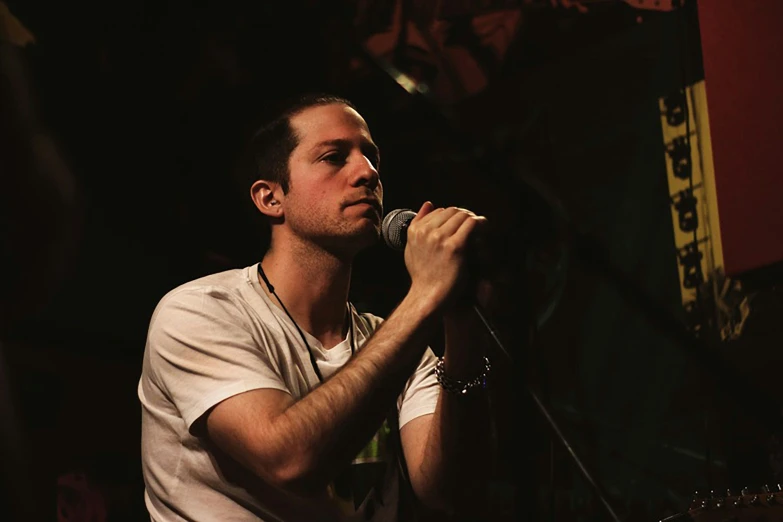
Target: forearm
458,456
330,425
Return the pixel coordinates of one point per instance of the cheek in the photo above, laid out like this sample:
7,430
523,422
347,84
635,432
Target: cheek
318,203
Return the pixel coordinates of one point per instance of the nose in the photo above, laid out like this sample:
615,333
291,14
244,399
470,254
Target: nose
366,174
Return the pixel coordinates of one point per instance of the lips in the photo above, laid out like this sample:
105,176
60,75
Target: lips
374,203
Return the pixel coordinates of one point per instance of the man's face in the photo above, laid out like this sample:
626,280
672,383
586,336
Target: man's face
335,195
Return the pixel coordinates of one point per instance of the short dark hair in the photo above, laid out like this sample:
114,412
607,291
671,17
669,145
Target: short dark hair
270,147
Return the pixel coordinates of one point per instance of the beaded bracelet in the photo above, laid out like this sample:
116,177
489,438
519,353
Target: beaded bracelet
461,387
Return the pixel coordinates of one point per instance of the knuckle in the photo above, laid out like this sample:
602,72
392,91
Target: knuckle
437,236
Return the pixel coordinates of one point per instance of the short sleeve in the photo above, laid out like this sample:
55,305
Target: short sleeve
420,395
202,350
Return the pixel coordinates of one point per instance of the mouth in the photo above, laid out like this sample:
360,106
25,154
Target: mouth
374,203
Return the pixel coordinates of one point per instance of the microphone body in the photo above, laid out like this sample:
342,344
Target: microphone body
395,227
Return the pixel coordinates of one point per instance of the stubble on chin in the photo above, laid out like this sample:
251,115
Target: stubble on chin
344,238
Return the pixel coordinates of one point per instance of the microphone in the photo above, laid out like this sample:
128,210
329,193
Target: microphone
395,227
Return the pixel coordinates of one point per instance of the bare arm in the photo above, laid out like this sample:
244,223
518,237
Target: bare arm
301,445
448,453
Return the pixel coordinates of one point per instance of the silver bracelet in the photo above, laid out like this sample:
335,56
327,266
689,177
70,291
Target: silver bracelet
461,387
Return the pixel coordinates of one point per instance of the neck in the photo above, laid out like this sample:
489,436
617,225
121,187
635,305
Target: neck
313,285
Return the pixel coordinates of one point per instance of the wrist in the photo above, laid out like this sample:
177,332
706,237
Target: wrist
417,312
426,299
464,350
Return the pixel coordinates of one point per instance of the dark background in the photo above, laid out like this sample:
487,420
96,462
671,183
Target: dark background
149,103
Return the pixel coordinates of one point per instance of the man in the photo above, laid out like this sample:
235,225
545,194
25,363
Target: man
266,396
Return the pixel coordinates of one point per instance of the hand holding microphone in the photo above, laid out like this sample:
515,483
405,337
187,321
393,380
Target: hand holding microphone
439,246
423,259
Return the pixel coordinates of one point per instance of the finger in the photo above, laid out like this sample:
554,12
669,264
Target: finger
426,208
455,220
467,228
439,216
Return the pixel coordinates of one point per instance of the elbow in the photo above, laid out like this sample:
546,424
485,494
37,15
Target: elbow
296,476
300,484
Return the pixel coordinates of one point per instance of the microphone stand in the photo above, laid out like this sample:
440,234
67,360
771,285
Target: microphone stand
558,434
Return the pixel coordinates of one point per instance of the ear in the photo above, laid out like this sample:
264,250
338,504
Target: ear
268,197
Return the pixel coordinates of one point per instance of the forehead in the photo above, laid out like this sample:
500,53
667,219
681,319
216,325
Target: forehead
329,122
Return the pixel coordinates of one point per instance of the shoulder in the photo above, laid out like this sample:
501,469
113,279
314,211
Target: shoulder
214,293
371,318
368,322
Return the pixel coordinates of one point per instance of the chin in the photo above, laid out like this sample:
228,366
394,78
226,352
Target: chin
365,236
353,241
369,236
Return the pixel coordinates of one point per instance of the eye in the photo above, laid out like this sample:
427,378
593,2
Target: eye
334,158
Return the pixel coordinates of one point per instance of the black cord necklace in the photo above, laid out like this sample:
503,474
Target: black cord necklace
304,339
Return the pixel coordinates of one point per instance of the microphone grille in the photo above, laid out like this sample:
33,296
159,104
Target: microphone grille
394,227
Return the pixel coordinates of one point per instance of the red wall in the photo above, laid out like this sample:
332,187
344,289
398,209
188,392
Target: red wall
742,47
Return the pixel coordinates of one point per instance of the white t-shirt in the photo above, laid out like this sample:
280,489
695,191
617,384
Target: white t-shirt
216,337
